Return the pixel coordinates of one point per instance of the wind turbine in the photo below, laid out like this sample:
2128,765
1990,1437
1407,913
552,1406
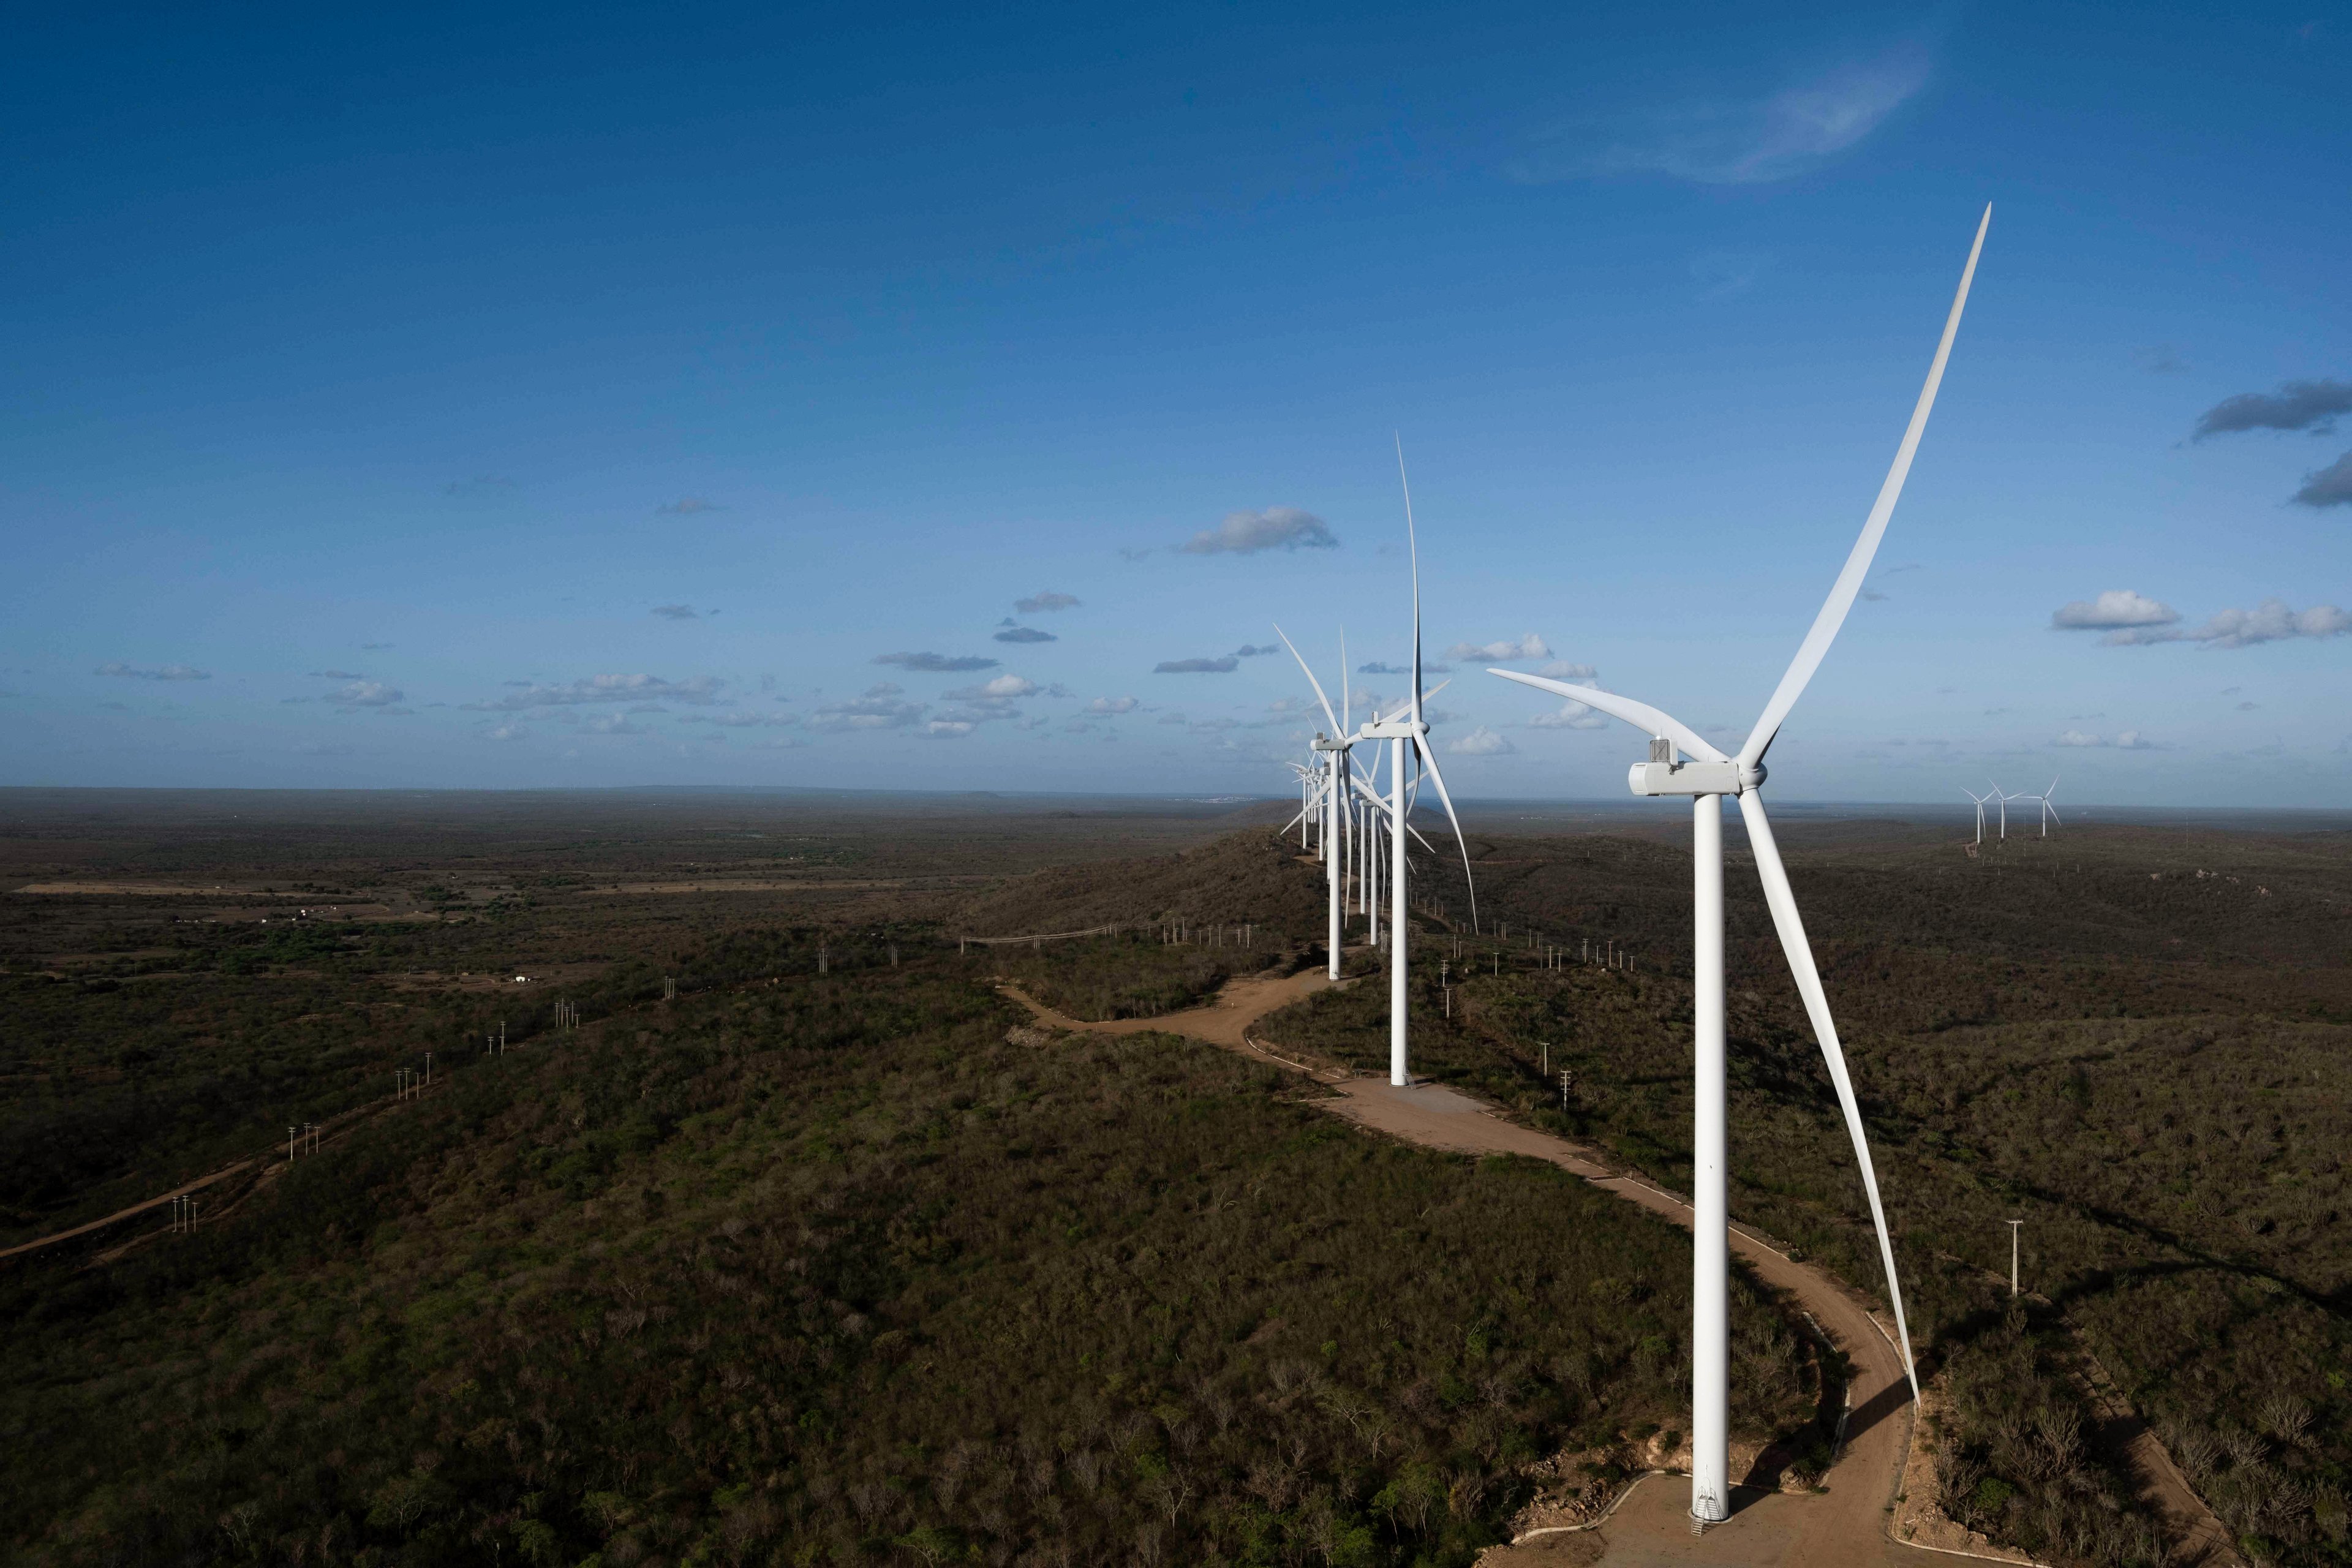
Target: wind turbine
1339,805
1407,733
1980,800
1707,781
2004,800
2049,811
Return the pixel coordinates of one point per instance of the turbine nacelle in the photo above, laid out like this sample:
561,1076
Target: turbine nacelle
1671,776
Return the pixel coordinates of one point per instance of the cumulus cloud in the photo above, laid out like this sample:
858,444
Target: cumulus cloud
616,725
1113,705
596,688
1046,599
687,506
1256,650
2270,621
936,663
1569,716
507,731
1739,142
2330,486
1024,635
992,697
1560,669
337,675
2310,405
2125,741
881,707
2116,608
166,672
366,694
674,611
1276,528
1196,666
1483,742
1503,652
949,729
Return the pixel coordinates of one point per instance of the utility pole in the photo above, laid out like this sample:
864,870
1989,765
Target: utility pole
289,1144
2013,1255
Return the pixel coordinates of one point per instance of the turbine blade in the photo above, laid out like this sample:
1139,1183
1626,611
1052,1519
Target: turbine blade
1347,702
1792,927
1429,758
1816,645
1640,715
1318,685
1412,544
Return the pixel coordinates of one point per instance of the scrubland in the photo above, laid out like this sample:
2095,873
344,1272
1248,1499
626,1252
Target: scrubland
812,1267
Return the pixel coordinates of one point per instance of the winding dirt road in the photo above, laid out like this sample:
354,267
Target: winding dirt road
1846,1524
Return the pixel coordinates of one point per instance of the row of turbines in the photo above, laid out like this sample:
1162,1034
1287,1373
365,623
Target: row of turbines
1360,824
1996,797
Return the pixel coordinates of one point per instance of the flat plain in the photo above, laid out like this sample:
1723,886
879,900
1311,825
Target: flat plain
804,1245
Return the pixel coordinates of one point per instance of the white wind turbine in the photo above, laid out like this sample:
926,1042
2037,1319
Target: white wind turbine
1707,780
2049,811
1338,818
1980,800
1407,733
2003,798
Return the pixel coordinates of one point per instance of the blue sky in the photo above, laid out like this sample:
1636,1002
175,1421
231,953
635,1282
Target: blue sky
510,396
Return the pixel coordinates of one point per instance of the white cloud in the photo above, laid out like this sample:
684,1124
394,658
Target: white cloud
878,708
1045,600
1483,742
1753,141
949,729
366,694
1196,666
603,689
1569,716
1503,652
1276,528
2116,608
1562,670
1113,705
2125,741
1003,688
508,731
167,672
616,725
2270,621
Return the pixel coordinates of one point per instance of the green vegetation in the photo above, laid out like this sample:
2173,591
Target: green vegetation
811,1271
2129,1039
1135,975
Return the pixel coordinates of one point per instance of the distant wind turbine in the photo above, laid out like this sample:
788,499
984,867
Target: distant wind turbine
1980,800
1707,781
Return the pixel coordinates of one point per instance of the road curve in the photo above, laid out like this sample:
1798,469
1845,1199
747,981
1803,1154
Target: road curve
1844,1524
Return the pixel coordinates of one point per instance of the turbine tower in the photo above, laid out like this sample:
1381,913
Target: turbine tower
1707,781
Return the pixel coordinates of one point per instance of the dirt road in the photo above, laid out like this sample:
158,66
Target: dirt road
1844,1525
